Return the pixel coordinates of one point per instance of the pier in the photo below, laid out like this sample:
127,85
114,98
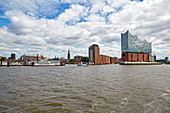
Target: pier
140,63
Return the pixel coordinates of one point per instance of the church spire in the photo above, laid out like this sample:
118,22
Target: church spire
68,57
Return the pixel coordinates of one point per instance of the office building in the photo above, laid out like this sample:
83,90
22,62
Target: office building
13,56
94,54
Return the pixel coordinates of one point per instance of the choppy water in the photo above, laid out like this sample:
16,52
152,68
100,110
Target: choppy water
94,89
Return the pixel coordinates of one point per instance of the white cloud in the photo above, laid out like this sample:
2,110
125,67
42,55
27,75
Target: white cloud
29,34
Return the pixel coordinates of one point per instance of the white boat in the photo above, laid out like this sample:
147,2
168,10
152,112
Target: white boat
82,65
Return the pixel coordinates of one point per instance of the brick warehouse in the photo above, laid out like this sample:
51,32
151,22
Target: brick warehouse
135,50
136,57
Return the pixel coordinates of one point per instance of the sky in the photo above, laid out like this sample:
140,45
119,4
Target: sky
51,27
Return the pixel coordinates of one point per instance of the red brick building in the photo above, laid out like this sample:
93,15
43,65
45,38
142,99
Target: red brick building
96,58
114,60
135,50
136,57
107,59
94,54
101,59
78,58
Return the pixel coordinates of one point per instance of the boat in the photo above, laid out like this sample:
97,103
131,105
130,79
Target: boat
82,65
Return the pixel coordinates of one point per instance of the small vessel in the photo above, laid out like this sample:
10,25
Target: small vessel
82,65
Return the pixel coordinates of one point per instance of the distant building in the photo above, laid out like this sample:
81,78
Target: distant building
94,54
3,58
56,58
31,58
164,60
135,50
78,58
68,56
167,59
114,60
62,58
13,56
96,58
154,57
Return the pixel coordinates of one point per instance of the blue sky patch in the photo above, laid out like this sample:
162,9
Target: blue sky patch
4,22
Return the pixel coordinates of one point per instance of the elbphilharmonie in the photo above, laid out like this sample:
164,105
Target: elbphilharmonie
135,50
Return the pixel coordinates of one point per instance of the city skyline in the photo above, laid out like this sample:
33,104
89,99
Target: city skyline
52,27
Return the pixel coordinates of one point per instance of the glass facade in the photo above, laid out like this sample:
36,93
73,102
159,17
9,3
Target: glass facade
133,44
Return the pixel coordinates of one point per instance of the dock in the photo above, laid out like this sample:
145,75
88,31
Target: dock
140,63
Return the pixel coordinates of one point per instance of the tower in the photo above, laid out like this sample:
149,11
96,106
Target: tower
94,54
68,57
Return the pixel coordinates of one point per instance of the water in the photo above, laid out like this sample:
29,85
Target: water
94,89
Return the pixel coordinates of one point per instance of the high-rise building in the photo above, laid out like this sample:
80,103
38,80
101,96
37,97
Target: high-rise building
94,54
13,56
134,49
68,57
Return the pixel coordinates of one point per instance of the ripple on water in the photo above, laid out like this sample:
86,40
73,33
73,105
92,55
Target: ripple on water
70,89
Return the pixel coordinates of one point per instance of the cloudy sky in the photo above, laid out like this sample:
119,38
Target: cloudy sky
51,27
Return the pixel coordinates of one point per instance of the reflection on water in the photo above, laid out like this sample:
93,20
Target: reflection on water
102,89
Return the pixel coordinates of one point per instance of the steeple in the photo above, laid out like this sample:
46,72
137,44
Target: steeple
68,57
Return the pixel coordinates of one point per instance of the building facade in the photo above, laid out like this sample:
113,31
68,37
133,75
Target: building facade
13,56
97,58
114,60
31,58
135,50
94,54
78,58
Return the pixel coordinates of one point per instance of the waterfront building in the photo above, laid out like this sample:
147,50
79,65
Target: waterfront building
31,58
96,58
135,50
94,54
114,60
13,56
78,58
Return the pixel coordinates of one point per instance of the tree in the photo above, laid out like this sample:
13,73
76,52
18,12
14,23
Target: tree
85,59
72,60
3,59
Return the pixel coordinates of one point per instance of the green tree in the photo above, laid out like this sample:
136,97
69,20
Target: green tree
85,59
3,59
72,60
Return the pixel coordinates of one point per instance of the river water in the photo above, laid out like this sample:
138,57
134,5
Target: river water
93,89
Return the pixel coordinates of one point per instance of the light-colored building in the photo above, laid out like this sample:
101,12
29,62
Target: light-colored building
31,58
